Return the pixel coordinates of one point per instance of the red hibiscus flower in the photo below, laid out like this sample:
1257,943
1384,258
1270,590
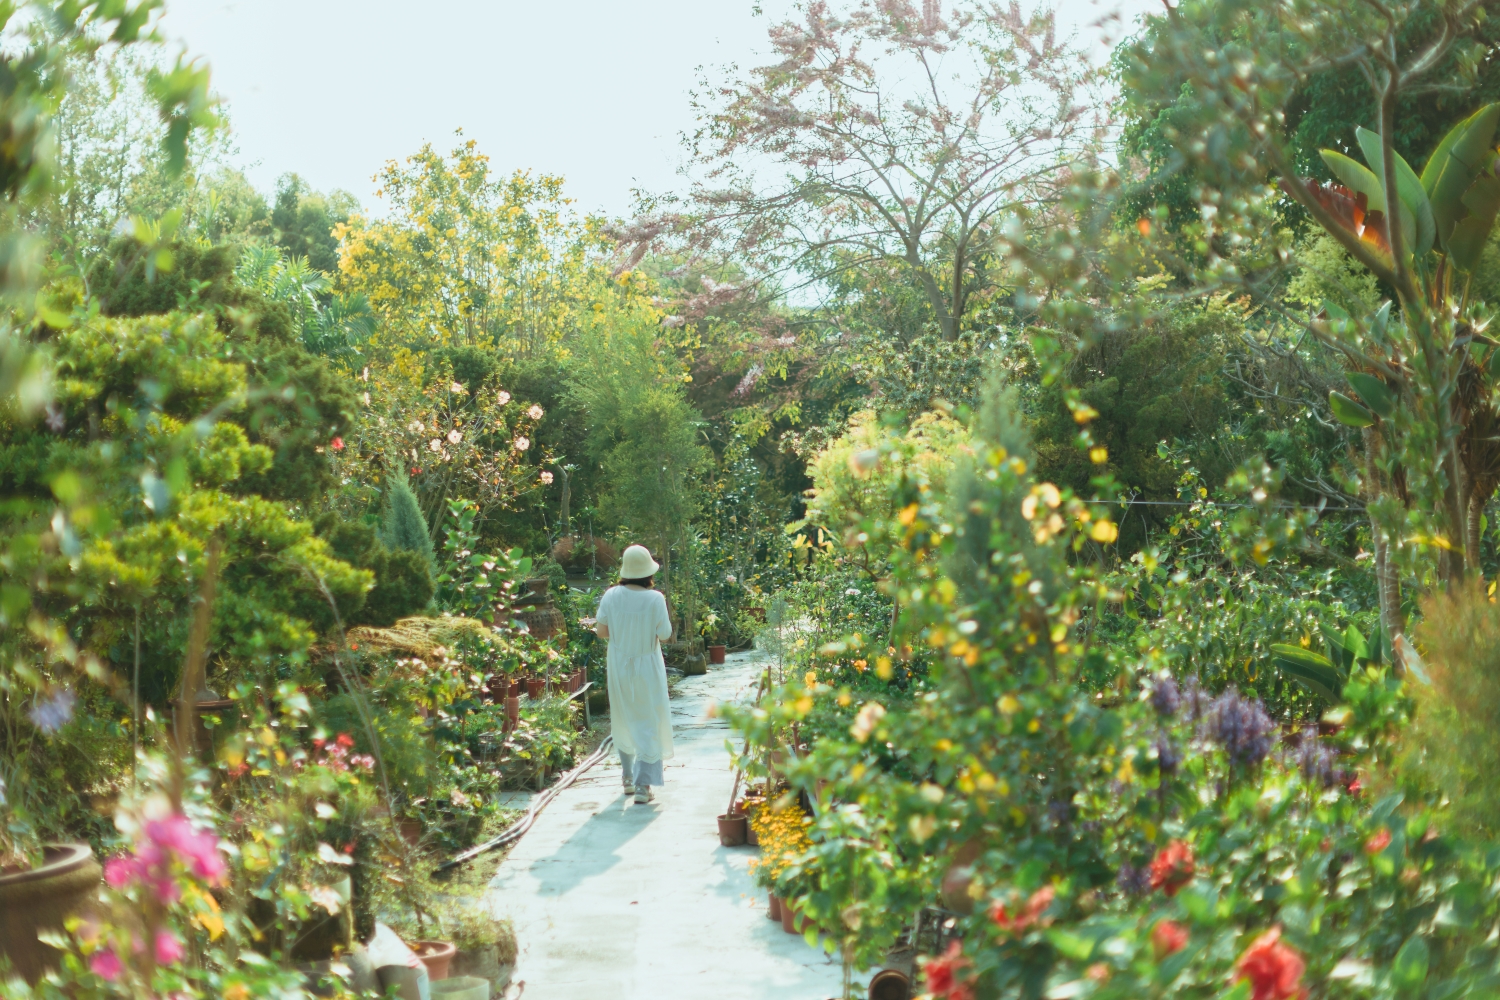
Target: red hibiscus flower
337,444
1273,969
1379,842
1172,868
1168,937
945,975
1036,905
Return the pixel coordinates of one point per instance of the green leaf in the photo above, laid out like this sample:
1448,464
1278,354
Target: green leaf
1455,163
1354,642
1374,393
1347,412
1408,188
1071,945
1471,232
1338,653
1356,177
1409,971
1381,321
1314,671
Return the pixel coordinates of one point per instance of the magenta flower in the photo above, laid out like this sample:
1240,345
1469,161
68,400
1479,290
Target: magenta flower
106,964
168,948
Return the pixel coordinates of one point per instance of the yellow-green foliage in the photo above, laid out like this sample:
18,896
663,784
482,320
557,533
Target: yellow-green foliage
1326,273
1455,741
856,477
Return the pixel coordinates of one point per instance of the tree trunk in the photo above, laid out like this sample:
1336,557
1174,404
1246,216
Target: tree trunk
1387,578
564,528
1471,542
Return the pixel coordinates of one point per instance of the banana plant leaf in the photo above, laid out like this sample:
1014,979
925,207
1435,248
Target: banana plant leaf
1408,188
1472,231
1452,167
1314,671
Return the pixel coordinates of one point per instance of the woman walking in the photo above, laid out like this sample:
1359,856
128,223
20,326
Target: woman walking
634,619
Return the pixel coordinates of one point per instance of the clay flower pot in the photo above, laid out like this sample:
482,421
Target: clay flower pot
436,955
733,829
716,654
890,984
791,920
536,687
773,907
512,711
515,688
42,898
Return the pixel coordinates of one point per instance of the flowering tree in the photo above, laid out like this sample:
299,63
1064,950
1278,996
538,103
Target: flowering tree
468,258
908,136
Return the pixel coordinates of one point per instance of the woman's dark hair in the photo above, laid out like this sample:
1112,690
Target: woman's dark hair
640,581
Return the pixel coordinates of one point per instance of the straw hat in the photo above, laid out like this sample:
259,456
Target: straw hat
637,563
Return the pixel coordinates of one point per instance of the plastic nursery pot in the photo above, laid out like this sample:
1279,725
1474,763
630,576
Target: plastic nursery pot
773,907
733,829
514,691
536,687
716,654
512,711
436,955
42,898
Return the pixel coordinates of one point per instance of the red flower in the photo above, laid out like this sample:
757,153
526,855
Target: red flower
1354,786
1172,868
1273,969
1379,842
1036,905
943,975
337,444
345,740
1168,938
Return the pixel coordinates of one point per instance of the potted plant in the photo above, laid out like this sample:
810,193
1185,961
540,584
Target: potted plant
41,885
486,946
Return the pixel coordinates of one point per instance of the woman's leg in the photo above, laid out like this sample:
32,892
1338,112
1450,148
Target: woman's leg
649,774
627,771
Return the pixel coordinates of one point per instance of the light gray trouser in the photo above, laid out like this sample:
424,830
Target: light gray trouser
639,772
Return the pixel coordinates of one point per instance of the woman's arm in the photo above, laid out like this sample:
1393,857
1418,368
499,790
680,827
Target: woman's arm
601,630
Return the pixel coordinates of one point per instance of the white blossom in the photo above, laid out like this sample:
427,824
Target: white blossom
455,436
522,443
503,398
547,478
435,445
535,413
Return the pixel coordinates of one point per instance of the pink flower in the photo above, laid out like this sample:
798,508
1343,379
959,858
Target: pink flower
1379,842
106,964
120,871
1168,937
546,478
168,948
337,444
946,974
522,443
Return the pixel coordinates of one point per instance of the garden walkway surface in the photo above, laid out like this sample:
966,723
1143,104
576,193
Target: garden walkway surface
614,901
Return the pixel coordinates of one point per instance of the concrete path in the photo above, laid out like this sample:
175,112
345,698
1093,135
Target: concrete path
614,901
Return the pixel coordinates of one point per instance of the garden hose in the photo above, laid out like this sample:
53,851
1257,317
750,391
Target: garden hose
516,830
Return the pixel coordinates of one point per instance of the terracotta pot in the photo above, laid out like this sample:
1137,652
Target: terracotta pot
41,899
733,828
890,984
512,712
514,690
536,687
716,654
773,907
790,917
436,955
411,830
750,837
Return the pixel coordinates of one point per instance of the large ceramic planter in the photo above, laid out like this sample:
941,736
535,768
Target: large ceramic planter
41,899
436,955
483,962
461,988
890,984
733,828
791,920
773,907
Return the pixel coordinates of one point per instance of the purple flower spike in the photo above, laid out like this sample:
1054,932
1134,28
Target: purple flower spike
1166,697
51,715
1168,756
1241,727
1133,881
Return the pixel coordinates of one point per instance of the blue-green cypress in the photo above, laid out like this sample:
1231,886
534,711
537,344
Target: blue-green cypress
403,526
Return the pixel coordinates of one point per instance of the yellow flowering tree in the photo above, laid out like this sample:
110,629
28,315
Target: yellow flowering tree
468,258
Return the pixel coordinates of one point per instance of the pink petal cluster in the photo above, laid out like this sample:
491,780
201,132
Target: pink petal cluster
164,848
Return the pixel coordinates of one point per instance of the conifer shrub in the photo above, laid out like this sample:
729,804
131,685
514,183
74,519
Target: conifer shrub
403,526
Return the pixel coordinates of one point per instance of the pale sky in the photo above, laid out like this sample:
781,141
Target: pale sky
593,90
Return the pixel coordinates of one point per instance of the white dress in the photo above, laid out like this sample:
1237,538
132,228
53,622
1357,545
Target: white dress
639,718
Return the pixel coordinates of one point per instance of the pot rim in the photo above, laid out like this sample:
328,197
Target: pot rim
64,858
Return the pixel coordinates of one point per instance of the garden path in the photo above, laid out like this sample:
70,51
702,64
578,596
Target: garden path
614,901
